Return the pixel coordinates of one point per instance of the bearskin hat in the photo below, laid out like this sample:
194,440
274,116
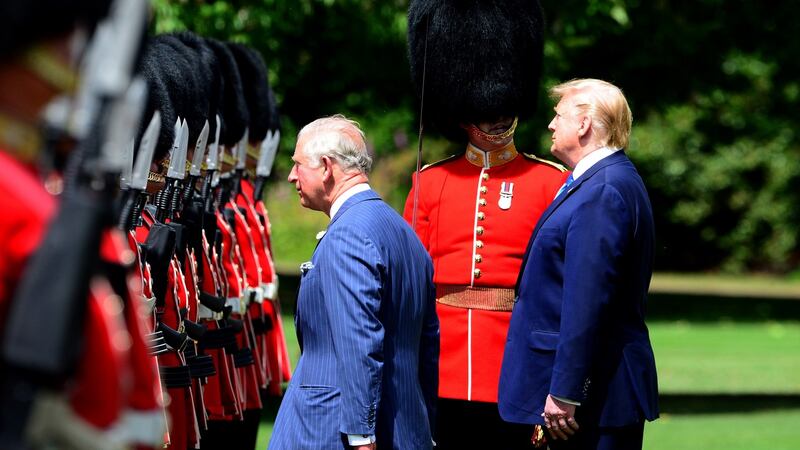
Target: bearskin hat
186,80
207,69
483,59
257,92
233,107
158,98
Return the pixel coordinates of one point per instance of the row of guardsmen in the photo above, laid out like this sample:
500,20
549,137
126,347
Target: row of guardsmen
138,294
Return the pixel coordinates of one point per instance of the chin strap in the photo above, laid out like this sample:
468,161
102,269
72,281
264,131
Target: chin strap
475,133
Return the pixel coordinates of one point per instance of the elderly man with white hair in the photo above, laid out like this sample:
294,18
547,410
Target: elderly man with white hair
366,318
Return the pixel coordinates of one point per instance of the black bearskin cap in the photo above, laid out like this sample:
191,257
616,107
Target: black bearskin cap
157,100
29,21
232,106
484,59
186,81
257,92
209,80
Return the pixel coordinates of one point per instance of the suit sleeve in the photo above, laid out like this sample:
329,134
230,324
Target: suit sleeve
429,352
597,237
423,222
351,276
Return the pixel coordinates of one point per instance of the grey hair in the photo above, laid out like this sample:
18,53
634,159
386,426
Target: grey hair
338,138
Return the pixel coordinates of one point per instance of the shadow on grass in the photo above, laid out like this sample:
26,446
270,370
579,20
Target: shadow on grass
709,308
725,403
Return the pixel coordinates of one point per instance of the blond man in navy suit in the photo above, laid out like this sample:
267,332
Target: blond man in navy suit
578,358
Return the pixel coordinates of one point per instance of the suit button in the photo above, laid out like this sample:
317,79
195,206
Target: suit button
479,230
479,244
476,273
478,258
485,176
481,216
482,202
484,189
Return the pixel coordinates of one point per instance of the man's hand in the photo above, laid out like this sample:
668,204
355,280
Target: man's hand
559,418
366,447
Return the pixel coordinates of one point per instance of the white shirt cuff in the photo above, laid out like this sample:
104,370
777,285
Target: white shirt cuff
565,400
360,439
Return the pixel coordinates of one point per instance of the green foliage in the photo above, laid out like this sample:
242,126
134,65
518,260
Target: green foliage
713,88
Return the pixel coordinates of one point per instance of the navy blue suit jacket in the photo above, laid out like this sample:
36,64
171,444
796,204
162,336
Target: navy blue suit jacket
369,336
577,330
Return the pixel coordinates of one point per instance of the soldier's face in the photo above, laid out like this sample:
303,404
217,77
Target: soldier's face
307,180
499,126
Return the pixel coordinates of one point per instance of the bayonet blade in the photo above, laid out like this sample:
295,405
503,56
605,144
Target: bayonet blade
269,148
177,162
212,160
241,156
127,166
145,155
199,152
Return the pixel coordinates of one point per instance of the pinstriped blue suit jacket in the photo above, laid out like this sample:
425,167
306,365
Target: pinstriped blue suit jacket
369,336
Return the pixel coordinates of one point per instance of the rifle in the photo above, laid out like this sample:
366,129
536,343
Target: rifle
42,340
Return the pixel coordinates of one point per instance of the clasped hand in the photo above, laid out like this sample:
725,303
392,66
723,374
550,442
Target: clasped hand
559,418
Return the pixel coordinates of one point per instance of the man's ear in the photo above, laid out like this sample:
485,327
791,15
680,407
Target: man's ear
327,164
586,125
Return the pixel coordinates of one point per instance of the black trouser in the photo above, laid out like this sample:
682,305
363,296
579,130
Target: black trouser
593,438
477,425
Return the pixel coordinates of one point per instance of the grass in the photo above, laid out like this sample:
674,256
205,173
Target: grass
701,358
773,430
727,357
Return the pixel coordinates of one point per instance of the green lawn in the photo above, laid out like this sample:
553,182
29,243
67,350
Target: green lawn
698,358
768,430
727,357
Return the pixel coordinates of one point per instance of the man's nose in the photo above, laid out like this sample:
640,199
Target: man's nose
292,175
551,126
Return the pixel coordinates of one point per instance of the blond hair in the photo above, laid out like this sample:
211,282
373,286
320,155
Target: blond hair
604,103
339,138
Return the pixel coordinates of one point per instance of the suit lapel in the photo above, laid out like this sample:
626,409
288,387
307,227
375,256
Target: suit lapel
603,163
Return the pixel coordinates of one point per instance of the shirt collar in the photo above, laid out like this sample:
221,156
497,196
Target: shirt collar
337,204
591,159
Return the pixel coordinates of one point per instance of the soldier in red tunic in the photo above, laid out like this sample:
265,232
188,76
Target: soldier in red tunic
475,211
101,396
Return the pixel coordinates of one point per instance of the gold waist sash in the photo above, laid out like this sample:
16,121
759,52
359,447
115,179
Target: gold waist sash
487,298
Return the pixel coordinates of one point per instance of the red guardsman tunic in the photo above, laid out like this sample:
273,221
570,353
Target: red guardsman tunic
475,215
276,352
96,396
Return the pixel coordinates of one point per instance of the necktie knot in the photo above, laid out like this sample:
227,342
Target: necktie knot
565,186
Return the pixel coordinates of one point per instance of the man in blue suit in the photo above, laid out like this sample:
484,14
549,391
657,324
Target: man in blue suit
366,317
578,358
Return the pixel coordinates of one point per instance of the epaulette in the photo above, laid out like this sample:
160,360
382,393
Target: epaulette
441,161
544,161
